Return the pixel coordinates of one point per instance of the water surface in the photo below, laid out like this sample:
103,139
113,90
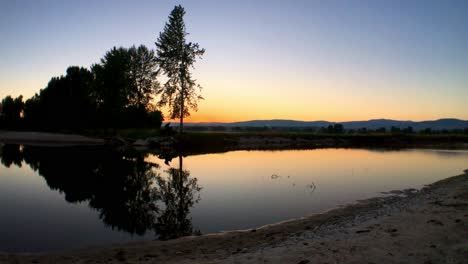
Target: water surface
63,198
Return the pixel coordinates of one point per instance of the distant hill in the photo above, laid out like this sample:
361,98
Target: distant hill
446,123
279,123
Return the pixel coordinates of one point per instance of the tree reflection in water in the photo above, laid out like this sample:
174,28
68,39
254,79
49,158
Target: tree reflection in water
178,192
13,155
129,192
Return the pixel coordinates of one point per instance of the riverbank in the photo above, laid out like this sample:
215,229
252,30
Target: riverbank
207,142
283,140
427,226
47,139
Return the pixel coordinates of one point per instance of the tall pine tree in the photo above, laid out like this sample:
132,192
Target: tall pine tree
175,58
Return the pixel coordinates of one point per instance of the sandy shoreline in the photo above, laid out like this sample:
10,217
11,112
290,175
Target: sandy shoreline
47,139
427,226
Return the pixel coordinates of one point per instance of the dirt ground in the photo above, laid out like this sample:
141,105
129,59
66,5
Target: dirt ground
409,226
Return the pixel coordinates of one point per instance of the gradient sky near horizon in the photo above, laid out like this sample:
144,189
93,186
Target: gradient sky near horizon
303,60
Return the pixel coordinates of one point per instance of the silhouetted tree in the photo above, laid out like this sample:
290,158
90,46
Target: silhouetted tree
338,128
408,130
112,85
66,102
143,72
32,112
381,130
125,82
426,131
155,119
362,130
11,111
395,129
175,57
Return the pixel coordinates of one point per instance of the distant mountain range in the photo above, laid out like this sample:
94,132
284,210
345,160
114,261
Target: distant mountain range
446,123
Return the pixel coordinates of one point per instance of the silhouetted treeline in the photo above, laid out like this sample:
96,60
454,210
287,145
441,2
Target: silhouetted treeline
114,93
331,129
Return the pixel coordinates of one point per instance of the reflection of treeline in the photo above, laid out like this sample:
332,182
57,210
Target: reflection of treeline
114,93
129,193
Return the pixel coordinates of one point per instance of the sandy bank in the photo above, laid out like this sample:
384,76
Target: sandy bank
427,226
47,139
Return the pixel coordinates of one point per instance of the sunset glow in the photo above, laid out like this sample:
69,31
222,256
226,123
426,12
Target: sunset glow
301,60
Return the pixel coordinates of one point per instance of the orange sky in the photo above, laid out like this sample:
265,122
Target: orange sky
322,99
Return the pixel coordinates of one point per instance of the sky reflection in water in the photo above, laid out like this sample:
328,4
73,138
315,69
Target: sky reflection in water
57,198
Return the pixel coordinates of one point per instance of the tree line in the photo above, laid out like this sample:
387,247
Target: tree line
117,92
330,129
114,93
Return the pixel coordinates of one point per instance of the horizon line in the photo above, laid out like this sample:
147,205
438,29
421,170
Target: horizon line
317,120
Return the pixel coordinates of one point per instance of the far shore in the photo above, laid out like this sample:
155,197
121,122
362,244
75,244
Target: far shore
205,142
409,226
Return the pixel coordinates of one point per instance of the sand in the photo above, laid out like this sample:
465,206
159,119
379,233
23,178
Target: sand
410,226
47,139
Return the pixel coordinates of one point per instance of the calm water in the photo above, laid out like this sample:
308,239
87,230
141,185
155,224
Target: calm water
61,198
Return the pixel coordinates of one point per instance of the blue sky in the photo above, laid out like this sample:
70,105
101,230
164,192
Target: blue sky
335,60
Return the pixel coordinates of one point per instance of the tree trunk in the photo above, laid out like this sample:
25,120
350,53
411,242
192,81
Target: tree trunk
181,125
182,92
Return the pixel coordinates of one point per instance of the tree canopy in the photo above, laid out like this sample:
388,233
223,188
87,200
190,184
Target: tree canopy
116,93
11,110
